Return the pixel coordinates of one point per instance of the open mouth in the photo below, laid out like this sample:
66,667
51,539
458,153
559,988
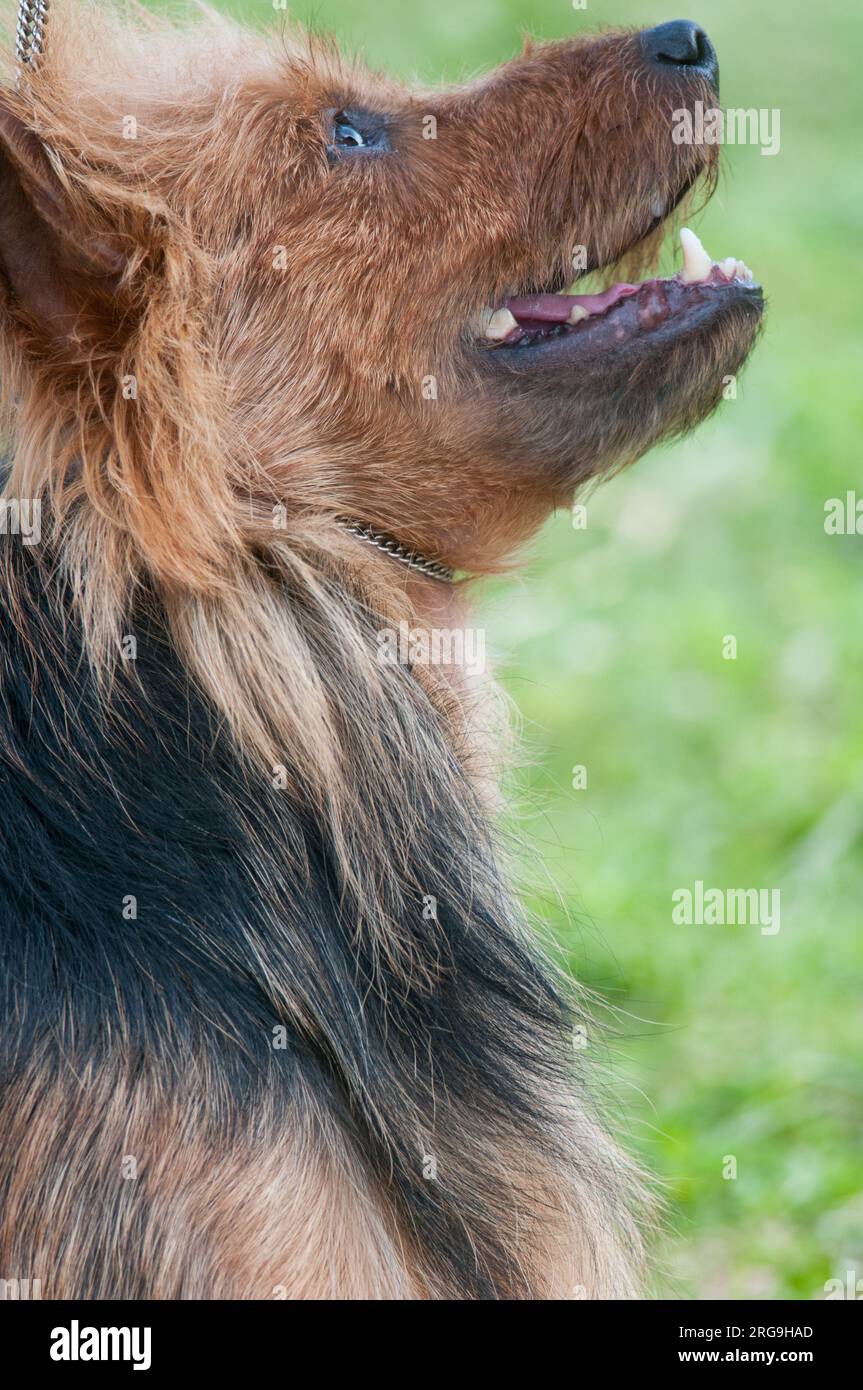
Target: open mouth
620,312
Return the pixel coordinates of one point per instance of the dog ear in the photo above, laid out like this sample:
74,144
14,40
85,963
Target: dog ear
55,267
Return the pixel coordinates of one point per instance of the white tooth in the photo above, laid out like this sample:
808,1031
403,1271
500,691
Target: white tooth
743,271
729,267
500,325
577,313
696,262
657,207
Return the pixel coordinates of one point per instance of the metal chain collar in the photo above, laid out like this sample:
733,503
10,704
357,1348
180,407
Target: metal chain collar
435,569
30,29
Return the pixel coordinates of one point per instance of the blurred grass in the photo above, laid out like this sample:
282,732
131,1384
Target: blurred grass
742,773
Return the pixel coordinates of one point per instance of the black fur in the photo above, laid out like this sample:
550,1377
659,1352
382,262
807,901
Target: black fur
245,921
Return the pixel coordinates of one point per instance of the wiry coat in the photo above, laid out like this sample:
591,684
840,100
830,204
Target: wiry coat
271,1021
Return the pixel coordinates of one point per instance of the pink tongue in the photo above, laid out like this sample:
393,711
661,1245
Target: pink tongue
556,308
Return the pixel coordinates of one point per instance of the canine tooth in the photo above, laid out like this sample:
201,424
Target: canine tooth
500,325
696,262
577,313
657,207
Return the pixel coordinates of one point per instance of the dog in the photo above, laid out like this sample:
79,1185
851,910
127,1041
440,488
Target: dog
284,353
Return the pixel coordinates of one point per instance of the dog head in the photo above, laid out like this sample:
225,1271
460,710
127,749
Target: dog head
245,274
424,245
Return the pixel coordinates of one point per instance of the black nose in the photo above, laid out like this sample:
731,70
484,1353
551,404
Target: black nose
682,44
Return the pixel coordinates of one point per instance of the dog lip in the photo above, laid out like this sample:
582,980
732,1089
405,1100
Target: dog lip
668,304
522,319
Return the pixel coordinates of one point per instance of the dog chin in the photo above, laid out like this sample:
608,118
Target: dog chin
571,410
589,382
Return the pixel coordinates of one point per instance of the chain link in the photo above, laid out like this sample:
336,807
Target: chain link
30,29
434,568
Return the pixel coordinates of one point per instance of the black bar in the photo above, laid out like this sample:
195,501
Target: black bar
225,1338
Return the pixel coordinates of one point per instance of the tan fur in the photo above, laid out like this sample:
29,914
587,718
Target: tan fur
266,1215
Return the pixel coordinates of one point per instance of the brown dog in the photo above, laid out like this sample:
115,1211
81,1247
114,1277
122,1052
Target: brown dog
271,1021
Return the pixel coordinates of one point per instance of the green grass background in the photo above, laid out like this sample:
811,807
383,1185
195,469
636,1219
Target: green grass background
743,773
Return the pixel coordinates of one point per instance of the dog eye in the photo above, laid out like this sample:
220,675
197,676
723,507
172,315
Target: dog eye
355,131
344,134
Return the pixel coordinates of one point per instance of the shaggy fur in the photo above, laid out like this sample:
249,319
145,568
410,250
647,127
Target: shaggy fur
241,1057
